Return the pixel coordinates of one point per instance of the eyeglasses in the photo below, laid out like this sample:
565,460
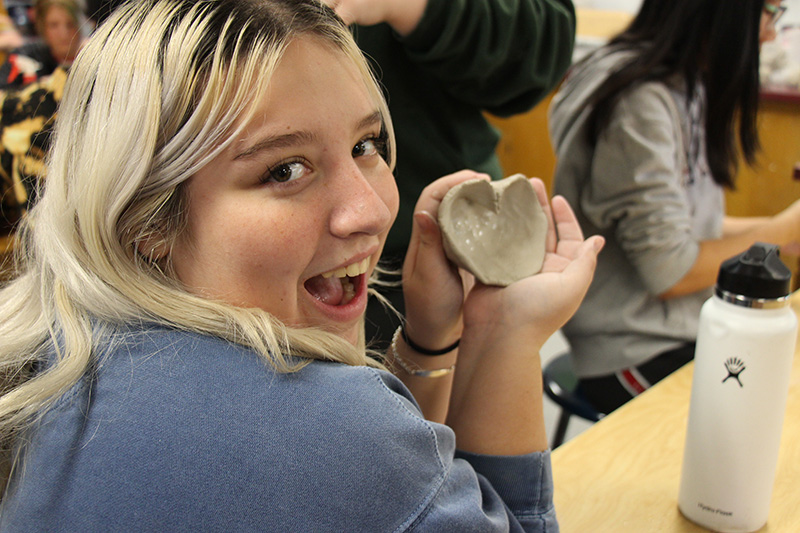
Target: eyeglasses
775,12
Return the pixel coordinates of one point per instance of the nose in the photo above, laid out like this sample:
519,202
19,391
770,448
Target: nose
363,202
768,30
769,33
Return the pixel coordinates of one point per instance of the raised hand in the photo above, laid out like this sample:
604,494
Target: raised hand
402,15
496,397
434,288
542,303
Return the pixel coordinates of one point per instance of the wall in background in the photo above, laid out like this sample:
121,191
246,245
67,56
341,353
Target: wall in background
630,6
791,17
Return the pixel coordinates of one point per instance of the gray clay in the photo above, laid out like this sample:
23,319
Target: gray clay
495,230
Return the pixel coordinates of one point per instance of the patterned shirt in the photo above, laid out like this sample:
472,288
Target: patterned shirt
27,117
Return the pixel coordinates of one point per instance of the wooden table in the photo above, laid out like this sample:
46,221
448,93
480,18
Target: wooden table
623,473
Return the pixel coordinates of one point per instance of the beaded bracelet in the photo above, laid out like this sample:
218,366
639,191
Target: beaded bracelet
419,372
424,351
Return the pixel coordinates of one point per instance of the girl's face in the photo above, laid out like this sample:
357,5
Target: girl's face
768,31
61,34
292,216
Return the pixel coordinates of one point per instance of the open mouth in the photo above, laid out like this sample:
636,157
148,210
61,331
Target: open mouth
337,287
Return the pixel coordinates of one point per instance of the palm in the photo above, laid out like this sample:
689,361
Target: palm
546,299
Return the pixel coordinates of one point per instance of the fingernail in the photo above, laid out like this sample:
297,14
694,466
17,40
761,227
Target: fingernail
427,223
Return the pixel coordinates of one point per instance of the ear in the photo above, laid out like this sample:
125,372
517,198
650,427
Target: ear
152,246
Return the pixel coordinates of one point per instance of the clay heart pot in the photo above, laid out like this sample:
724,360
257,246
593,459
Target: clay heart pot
495,230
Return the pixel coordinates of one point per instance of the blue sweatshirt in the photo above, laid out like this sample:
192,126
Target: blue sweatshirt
174,431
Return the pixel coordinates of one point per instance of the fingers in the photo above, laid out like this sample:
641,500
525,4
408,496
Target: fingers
566,223
347,17
570,242
433,287
432,195
562,223
581,268
551,238
425,228
425,234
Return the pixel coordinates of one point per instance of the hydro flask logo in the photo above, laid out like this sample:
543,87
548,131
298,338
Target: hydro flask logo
735,366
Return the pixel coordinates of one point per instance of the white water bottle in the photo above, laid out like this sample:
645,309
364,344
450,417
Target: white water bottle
745,346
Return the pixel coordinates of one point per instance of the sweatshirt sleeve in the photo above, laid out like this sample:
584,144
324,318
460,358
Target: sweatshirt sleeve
474,492
524,483
502,55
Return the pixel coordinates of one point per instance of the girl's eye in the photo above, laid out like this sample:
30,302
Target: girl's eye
285,172
372,146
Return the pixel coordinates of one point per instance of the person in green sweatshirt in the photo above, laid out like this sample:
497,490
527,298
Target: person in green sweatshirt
442,64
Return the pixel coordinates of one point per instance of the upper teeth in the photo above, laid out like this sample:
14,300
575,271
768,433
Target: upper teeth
352,270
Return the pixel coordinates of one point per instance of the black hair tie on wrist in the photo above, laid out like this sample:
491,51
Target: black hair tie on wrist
424,351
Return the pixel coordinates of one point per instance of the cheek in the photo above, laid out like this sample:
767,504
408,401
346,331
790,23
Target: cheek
240,244
270,242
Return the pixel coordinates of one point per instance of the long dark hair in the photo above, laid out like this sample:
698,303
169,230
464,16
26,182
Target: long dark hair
712,42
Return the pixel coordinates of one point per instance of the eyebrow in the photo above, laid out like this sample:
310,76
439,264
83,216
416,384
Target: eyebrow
299,137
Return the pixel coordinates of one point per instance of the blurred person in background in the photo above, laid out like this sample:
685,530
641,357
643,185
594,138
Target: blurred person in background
60,26
648,131
443,64
10,36
27,117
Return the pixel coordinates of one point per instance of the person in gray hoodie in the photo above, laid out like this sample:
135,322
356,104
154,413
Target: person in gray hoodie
647,131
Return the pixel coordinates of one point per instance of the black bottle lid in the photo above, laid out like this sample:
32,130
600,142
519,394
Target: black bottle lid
757,274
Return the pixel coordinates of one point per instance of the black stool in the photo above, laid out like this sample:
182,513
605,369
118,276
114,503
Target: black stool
560,383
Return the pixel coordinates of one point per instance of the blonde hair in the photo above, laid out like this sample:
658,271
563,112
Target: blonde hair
158,91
